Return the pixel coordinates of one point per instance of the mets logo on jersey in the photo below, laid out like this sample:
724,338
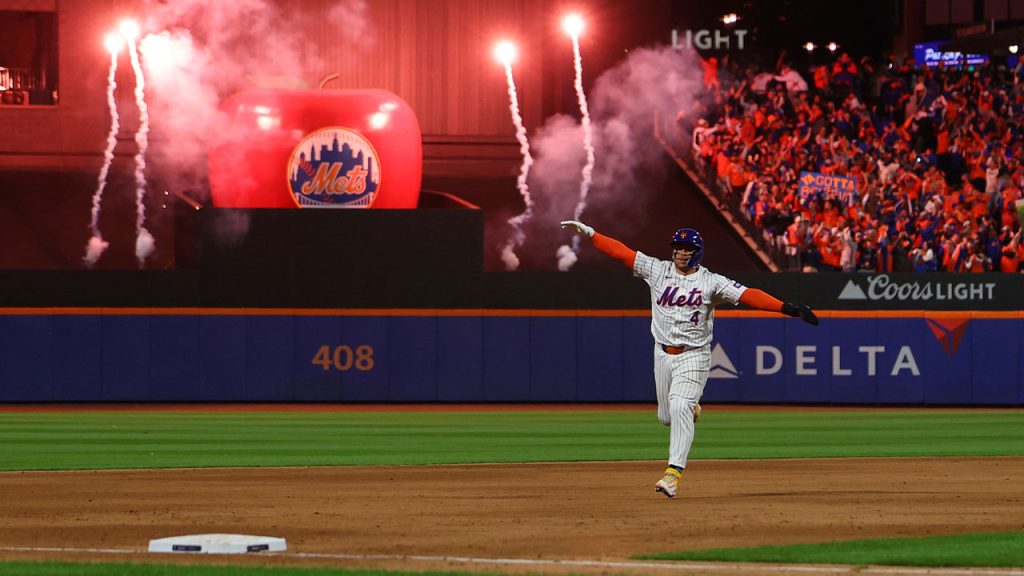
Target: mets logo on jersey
334,167
673,297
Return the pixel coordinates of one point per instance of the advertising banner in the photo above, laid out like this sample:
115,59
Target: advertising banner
931,55
897,291
898,358
931,359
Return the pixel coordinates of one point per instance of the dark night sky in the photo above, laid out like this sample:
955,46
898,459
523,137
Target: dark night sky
616,26
861,28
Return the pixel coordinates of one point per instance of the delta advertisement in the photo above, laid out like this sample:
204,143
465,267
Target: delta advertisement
922,359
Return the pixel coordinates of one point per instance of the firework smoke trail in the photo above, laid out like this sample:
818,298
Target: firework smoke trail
144,242
588,135
566,255
97,245
508,255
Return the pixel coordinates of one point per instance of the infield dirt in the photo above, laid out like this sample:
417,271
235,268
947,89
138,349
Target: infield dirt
594,511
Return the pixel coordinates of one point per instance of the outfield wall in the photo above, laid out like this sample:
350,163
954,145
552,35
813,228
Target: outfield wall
395,306
433,355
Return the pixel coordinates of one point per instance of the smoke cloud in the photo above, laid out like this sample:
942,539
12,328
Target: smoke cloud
559,158
629,159
198,52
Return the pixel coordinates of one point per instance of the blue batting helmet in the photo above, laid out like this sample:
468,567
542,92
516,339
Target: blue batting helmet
690,238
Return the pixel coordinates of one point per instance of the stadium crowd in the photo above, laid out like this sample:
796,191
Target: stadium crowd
936,158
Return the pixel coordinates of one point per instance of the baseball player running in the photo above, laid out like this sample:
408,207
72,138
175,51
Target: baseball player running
684,295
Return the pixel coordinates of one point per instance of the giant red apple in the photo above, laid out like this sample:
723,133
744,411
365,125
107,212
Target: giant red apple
323,149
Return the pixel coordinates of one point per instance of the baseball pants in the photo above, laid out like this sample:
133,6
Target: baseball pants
679,380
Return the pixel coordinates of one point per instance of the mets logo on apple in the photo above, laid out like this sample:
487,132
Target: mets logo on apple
334,167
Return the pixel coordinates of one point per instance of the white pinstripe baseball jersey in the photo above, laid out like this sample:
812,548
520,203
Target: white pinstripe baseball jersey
683,306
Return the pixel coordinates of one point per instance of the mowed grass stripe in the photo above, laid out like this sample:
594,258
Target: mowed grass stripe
863,433
117,439
159,439
988,549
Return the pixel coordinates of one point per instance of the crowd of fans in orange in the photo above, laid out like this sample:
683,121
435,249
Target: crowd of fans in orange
935,155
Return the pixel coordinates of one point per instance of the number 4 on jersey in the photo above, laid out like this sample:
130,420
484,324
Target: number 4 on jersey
695,318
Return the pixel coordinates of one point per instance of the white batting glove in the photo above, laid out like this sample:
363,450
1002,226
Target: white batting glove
578,227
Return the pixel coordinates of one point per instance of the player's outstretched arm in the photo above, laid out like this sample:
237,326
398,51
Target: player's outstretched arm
578,227
609,246
763,301
802,310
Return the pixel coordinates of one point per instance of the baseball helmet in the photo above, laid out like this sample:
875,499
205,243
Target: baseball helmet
690,237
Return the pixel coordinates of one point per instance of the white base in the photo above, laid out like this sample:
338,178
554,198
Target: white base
217,544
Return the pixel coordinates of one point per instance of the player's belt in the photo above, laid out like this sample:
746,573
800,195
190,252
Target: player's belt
673,350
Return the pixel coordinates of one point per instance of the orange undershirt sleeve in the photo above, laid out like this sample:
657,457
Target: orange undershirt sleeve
615,249
761,300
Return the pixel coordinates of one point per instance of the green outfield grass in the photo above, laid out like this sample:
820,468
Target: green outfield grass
101,439
160,439
983,549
